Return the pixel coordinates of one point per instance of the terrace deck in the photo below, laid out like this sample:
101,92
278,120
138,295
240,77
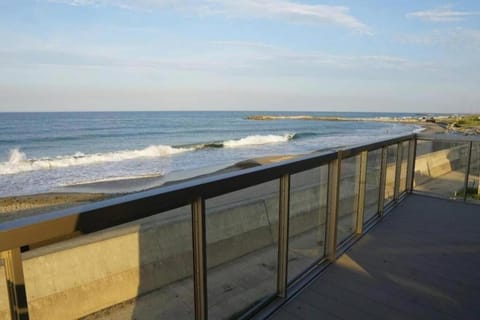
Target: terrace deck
421,262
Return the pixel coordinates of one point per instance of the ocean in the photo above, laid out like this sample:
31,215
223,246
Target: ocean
48,152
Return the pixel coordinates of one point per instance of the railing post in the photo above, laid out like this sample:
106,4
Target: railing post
467,171
17,295
199,259
322,202
362,185
283,225
383,179
412,155
398,172
332,206
477,165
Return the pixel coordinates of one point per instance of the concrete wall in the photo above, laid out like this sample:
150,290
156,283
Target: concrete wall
87,274
437,163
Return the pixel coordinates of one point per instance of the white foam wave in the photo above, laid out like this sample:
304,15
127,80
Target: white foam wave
257,140
18,161
419,129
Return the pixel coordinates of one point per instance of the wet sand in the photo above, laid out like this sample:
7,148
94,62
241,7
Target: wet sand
28,205
433,128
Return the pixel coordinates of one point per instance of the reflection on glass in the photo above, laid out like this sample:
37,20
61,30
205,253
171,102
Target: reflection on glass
374,161
308,205
390,173
440,168
348,197
242,236
138,270
403,172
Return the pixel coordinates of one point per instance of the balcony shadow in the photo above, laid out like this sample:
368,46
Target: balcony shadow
419,263
165,283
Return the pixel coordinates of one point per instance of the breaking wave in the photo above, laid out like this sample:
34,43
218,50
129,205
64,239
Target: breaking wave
19,162
257,140
253,140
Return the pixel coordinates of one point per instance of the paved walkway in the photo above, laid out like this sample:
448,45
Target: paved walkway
421,262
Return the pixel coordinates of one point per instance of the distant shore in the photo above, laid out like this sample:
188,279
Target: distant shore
324,118
28,205
461,124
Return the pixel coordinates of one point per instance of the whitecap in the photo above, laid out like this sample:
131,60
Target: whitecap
18,161
257,140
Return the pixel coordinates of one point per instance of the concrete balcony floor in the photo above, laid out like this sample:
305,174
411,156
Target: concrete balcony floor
421,262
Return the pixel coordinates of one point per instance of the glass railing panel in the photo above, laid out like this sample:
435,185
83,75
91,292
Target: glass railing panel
374,162
473,189
440,168
139,270
390,173
242,249
403,167
308,206
348,197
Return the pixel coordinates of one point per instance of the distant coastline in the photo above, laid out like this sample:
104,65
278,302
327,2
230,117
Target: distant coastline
462,124
327,118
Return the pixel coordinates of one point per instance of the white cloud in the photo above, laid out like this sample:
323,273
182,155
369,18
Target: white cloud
271,9
458,39
257,55
442,14
235,57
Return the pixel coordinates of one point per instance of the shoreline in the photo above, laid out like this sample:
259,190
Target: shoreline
448,123
12,207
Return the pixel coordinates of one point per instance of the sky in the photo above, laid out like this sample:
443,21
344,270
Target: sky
291,55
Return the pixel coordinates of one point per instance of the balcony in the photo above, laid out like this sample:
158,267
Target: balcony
275,241
420,263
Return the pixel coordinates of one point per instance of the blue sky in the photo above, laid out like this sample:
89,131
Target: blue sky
353,55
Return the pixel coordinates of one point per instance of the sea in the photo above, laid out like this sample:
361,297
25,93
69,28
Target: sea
52,151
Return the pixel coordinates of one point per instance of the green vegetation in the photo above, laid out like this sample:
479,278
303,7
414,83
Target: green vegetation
472,193
461,121
469,121
467,124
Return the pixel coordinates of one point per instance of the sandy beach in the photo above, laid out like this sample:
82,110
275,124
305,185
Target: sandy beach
28,205
22,206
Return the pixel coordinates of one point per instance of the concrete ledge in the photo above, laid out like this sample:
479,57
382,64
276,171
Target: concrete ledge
438,163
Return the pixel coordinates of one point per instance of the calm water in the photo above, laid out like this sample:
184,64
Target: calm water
41,152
